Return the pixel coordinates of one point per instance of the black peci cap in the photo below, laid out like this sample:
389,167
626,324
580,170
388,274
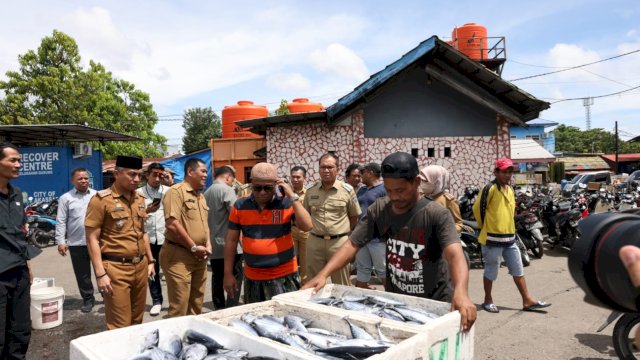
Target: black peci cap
400,165
129,162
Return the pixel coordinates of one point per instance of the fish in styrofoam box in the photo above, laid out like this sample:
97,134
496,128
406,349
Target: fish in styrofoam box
126,343
409,341
447,341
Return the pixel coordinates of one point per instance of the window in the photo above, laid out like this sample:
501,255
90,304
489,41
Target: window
414,152
533,137
431,152
514,137
447,151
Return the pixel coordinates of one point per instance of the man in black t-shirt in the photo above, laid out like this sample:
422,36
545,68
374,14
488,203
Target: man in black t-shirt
424,255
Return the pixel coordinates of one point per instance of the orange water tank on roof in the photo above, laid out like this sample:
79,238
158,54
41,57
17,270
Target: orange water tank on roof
245,110
471,40
301,105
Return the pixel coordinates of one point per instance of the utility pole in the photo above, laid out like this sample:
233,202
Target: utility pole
616,147
587,102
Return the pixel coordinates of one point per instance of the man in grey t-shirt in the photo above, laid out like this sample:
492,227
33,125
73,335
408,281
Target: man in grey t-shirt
220,198
424,255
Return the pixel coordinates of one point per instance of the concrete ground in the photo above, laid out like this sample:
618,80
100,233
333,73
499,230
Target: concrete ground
566,331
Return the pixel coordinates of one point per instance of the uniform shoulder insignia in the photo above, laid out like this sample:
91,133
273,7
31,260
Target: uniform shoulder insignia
449,197
103,193
347,187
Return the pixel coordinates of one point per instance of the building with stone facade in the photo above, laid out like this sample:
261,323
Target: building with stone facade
434,102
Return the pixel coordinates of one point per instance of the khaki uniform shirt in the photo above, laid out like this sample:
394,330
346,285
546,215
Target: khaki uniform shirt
331,209
295,232
181,203
449,201
121,222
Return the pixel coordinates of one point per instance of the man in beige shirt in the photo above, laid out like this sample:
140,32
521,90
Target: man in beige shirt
334,211
184,254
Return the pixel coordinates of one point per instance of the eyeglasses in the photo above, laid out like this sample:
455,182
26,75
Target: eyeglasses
266,188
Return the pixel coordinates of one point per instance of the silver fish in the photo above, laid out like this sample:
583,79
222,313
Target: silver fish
195,351
228,355
317,340
173,345
353,298
272,329
390,313
248,318
294,323
413,315
355,306
154,353
381,300
243,326
195,337
151,339
325,332
356,331
323,301
380,334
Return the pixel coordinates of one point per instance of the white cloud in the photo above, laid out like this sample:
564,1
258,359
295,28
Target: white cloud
339,60
291,81
100,39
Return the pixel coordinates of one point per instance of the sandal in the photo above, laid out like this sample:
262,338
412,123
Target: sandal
492,308
536,307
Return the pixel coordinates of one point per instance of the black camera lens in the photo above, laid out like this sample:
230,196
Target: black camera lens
595,265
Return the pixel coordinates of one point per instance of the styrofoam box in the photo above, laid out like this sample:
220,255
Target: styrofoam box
125,343
410,342
446,340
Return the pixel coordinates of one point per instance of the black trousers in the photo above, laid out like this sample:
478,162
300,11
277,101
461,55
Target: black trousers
155,286
217,282
15,317
82,269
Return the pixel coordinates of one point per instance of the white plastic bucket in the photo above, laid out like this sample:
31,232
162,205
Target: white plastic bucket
46,307
39,283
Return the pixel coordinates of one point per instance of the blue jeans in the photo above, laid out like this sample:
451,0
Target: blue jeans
369,257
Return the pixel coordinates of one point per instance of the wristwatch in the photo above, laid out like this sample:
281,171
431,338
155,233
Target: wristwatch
194,248
295,197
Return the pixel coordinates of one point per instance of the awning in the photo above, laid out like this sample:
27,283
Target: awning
529,151
43,134
578,164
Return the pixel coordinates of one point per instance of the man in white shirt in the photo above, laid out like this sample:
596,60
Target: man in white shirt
70,235
153,192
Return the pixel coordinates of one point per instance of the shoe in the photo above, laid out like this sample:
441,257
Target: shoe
87,306
155,310
536,307
492,308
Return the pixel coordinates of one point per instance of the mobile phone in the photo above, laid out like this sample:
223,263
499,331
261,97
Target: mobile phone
156,201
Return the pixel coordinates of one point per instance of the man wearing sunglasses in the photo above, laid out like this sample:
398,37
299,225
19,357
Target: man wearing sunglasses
265,219
494,210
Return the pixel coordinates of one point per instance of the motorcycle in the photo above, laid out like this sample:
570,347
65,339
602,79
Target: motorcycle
528,227
41,230
470,243
623,333
561,220
466,201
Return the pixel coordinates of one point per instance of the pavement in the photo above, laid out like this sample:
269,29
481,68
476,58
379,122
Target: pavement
566,331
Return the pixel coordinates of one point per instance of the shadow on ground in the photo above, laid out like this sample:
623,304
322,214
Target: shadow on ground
598,342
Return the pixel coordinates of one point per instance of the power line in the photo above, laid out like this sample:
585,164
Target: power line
597,97
578,66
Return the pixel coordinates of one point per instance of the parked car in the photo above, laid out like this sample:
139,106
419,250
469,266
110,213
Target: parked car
631,182
585,178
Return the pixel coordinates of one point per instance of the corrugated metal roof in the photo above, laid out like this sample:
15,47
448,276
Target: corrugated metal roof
527,150
542,122
52,133
583,163
622,157
527,106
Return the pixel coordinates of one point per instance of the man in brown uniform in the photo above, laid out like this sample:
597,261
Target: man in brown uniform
119,247
298,177
334,211
187,246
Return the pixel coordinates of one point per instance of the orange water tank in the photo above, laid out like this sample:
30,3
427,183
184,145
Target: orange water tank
471,40
245,110
301,105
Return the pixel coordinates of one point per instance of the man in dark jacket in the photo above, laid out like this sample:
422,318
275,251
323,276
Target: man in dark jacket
15,269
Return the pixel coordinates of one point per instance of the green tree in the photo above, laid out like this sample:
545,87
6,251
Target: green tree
51,87
200,125
572,139
283,109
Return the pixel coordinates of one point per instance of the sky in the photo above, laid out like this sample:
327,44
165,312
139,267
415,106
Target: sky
189,54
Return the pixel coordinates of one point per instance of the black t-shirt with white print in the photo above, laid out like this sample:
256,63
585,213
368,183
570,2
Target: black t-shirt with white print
415,240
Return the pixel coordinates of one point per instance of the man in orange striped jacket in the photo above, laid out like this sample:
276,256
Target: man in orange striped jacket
265,219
